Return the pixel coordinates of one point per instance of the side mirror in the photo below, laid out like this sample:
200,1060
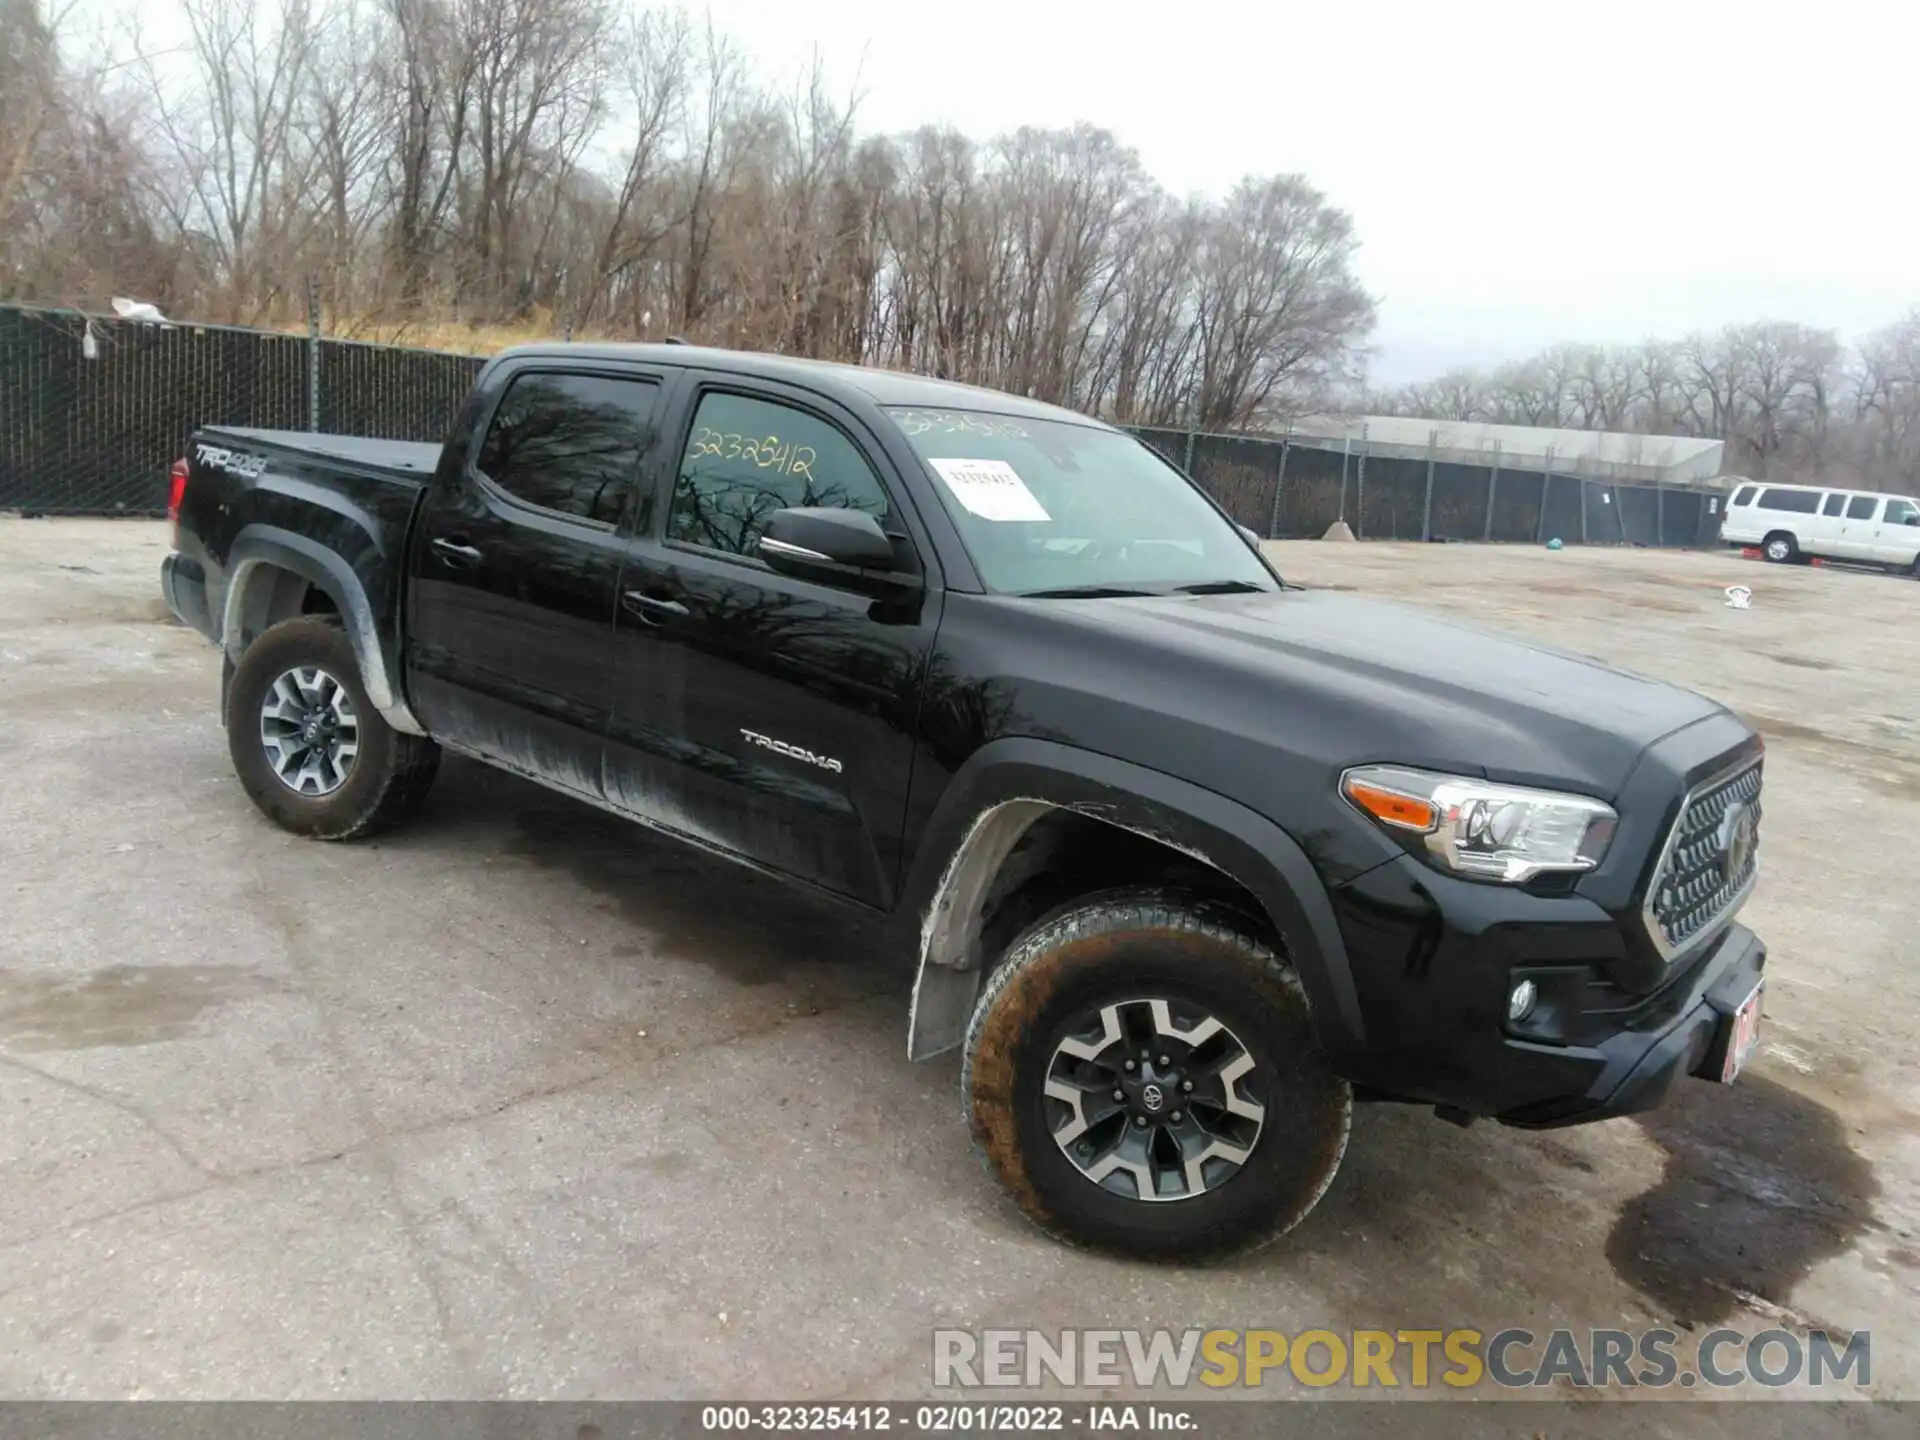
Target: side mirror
831,546
1251,535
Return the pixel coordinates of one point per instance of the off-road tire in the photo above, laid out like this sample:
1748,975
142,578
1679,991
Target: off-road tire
1104,949
391,771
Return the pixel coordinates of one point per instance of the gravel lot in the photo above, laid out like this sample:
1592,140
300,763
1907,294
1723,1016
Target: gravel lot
521,1103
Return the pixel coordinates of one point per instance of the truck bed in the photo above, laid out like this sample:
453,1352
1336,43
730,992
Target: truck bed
323,518
395,459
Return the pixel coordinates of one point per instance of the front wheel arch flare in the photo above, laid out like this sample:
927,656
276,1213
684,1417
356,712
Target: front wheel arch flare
1022,779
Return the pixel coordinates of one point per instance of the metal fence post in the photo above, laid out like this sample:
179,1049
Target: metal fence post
1659,514
1493,485
1279,484
313,352
1583,510
1346,451
1186,462
1546,488
1426,508
1360,488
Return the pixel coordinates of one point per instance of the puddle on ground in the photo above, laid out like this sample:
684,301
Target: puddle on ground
1760,1186
120,1006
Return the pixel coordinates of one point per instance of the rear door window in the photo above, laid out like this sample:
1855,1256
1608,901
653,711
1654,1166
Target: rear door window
1800,502
1861,507
1832,504
569,443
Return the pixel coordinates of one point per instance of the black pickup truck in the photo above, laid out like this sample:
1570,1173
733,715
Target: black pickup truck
1191,858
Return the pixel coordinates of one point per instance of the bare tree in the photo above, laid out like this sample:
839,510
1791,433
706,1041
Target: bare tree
639,215
427,78
601,164
537,85
234,182
1790,401
1147,346
719,129
1886,402
593,163
1280,312
346,117
1785,377
1656,370
30,112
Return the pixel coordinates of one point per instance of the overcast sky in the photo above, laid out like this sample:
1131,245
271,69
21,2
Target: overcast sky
1519,174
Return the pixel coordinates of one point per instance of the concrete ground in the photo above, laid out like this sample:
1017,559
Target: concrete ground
521,1103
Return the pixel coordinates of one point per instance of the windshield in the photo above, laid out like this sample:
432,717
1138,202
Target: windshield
1050,507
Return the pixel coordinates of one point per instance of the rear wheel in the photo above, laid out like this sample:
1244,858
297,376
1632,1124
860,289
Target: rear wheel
1781,548
1142,1076
307,744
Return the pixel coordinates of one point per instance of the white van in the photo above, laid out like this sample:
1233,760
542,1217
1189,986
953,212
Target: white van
1793,522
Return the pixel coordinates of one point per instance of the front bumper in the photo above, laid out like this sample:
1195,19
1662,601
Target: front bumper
1433,961
1638,1068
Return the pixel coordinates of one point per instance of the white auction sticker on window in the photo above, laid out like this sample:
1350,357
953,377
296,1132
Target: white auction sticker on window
991,489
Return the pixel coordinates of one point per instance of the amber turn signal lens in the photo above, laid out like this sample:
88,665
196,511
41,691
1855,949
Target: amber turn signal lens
1391,808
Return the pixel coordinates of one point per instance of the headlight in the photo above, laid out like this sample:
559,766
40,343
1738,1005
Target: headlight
1474,827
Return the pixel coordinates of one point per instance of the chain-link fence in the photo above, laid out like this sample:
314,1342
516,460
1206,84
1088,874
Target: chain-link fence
1290,488
93,409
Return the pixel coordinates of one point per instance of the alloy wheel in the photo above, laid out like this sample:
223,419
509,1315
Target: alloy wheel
309,731
1153,1099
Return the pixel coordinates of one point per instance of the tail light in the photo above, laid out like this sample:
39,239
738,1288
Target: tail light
176,492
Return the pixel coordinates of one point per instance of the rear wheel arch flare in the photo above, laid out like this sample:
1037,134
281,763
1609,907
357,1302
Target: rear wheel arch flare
279,576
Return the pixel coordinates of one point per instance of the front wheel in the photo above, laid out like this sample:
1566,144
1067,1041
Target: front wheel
1143,1077
307,744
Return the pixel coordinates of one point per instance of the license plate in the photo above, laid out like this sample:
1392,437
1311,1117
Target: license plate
1745,1037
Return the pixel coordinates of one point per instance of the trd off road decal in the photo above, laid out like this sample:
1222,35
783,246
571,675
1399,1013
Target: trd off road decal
234,462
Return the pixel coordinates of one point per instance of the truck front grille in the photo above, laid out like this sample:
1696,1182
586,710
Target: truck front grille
1709,861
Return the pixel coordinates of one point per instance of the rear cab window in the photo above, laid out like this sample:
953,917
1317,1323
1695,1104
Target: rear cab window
568,443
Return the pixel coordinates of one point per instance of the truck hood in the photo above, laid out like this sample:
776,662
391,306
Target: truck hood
1372,680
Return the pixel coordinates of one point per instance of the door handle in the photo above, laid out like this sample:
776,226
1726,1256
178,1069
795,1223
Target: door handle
652,609
461,557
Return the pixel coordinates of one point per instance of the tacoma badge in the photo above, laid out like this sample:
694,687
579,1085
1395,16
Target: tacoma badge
795,752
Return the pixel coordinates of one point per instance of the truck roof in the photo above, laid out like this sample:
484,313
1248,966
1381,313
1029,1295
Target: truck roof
882,387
